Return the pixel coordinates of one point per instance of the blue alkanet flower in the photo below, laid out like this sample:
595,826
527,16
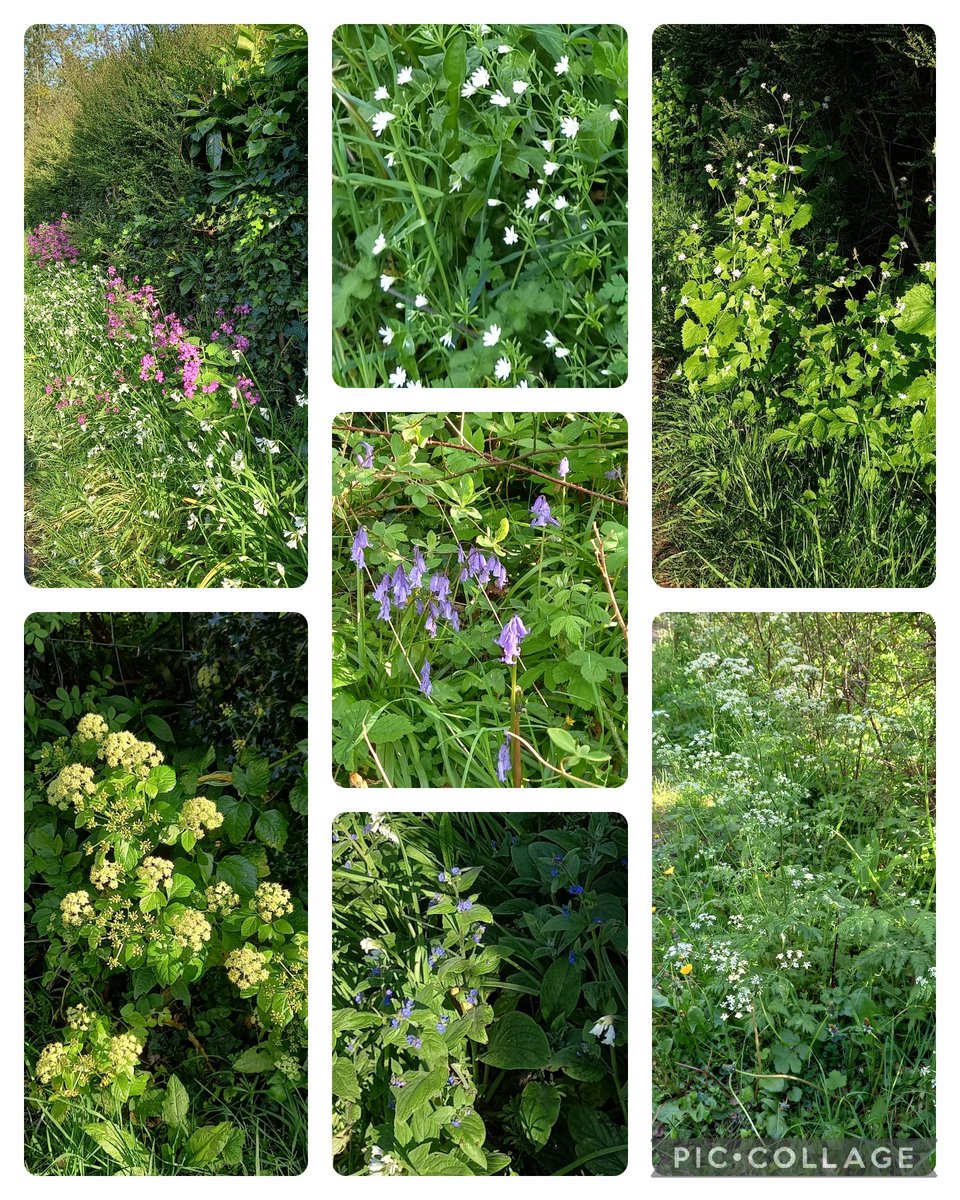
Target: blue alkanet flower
360,542
571,958
511,635
576,889
365,458
464,906
563,470
406,1008
554,872
454,870
425,685
442,877
415,1042
541,513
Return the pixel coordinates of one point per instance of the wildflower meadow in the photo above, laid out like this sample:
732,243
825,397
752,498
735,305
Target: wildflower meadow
793,310
166,432
480,206
480,994
479,606
166,946
794,893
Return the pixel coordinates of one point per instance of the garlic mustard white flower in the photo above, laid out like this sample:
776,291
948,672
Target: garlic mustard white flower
492,335
404,75
398,378
503,368
380,244
510,235
563,66
381,120
786,96
570,127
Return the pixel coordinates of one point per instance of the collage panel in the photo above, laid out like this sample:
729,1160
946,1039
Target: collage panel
794,266
479,600
165,306
794,893
479,206
480,994
166,896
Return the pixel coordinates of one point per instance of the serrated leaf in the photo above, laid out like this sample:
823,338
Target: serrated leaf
390,727
919,312
590,665
272,828
240,873
693,334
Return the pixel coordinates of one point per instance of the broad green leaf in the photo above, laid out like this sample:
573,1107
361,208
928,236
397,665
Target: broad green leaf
562,740
118,1143
693,334
176,1103
517,1043
206,1144
802,216
539,1109
389,727
271,828
919,312
159,728
180,885
163,778
255,1060
420,1090
345,1083
240,873
560,990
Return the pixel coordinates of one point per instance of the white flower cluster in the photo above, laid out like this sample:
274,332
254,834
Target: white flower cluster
793,960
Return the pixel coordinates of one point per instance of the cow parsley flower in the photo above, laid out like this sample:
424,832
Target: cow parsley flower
502,368
563,66
510,236
404,75
492,336
570,127
381,120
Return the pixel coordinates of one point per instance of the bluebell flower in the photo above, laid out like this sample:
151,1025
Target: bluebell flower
381,594
425,685
571,958
430,624
563,470
503,761
419,608
475,561
575,889
401,586
614,474
511,636
365,459
439,586
497,570
464,906
541,513
493,844
348,865
360,542
418,568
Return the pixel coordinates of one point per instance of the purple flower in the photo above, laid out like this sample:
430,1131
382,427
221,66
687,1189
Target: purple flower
442,878
406,1009
563,470
425,685
464,906
554,871
401,586
415,1042
498,570
475,561
380,593
418,568
454,870
541,513
454,1121
359,543
614,474
571,958
511,635
440,586
472,996
365,459
430,624
503,761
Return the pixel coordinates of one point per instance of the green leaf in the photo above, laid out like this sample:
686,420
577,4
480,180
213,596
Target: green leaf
188,839
455,61
693,334
834,1081
180,885
206,1144
706,310
120,1145
164,779
240,873
237,815
539,1109
272,828
919,312
591,1131
802,216
562,740
176,1103
517,1043
232,1153
560,990
255,1060
159,728
590,665
420,1090
390,727
345,1083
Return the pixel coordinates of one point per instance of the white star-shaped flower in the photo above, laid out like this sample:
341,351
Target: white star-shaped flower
502,369
560,203
551,340
421,300
561,352
381,93
391,158
547,145
519,87
447,340
570,127
499,99
492,336
398,378
467,90
386,334
533,196
380,244
550,167
563,66
381,120
510,235
404,75
613,115
456,183
504,49
387,282
480,78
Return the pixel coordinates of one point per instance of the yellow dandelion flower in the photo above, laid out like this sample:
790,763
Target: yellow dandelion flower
686,969
668,871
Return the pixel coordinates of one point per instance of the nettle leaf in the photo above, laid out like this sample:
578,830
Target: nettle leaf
517,1043
176,1103
237,815
539,1109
